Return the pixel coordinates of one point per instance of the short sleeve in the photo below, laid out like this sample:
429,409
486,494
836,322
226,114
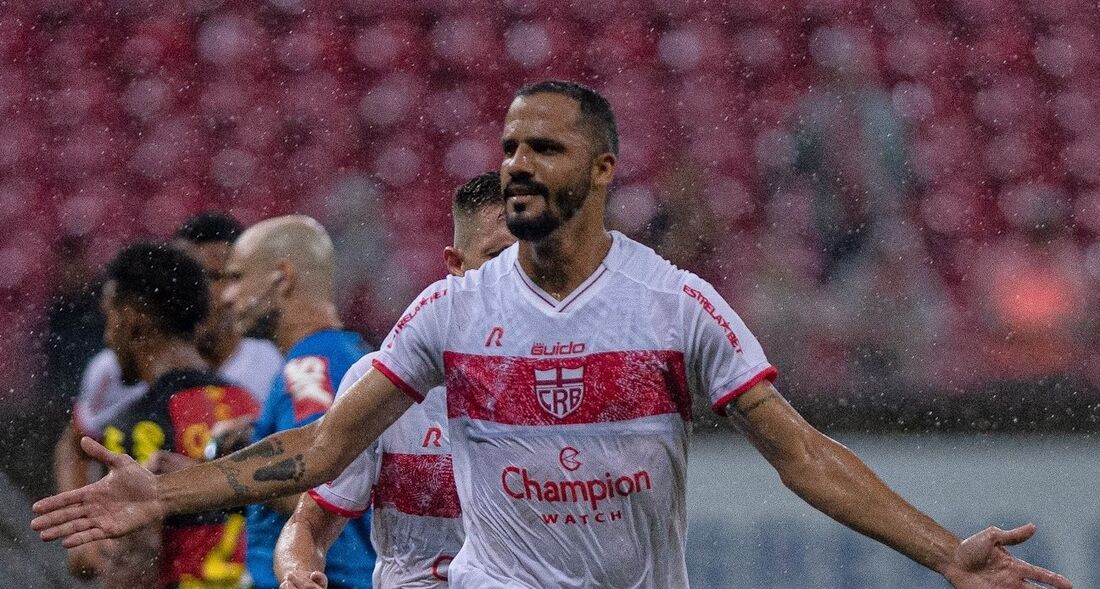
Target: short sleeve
102,396
412,354
349,494
94,383
724,357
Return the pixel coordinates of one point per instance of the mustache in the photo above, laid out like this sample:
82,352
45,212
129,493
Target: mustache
515,187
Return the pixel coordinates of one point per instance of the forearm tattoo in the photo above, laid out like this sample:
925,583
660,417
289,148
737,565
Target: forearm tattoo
291,468
757,404
261,449
232,477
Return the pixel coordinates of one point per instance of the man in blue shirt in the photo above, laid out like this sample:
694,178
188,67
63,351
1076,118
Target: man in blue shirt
281,284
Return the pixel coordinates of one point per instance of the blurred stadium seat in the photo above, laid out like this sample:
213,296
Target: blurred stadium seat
122,118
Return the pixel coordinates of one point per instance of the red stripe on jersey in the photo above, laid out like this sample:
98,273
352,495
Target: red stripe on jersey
719,406
417,484
597,388
333,508
397,382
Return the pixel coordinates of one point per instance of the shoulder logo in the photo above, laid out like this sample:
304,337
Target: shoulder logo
560,390
710,309
307,381
495,337
433,437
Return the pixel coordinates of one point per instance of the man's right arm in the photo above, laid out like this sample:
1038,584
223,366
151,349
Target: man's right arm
287,462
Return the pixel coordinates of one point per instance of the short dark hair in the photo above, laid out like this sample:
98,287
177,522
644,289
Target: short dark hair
482,190
165,283
210,227
595,110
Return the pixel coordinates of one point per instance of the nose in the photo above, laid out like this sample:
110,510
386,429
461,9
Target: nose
518,165
228,294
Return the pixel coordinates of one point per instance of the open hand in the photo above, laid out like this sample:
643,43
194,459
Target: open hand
121,502
981,562
301,580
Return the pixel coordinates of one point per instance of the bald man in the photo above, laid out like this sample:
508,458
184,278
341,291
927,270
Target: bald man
280,276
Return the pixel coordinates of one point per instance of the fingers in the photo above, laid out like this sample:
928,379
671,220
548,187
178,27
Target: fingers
1014,536
57,518
1035,573
296,580
66,528
56,502
99,453
81,538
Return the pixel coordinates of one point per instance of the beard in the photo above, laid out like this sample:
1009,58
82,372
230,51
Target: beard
128,365
264,326
568,200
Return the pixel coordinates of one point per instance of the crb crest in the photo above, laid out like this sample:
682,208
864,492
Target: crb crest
560,390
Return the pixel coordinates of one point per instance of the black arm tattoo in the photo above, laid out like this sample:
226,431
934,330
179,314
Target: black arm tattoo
231,477
291,468
261,449
756,404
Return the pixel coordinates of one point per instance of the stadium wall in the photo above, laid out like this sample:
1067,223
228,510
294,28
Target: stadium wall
747,531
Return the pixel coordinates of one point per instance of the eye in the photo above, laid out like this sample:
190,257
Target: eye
509,147
546,146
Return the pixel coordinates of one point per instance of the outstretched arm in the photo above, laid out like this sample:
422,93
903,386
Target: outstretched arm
288,462
831,478
303,544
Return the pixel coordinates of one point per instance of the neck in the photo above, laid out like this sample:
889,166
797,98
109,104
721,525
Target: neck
301,318
223,350
167,355
567,257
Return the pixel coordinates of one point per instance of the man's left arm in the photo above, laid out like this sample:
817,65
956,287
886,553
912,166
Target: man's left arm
832,479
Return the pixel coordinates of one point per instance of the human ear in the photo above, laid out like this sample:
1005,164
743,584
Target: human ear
454,259
603,169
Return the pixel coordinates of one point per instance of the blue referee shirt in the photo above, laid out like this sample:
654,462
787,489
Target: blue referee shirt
303,392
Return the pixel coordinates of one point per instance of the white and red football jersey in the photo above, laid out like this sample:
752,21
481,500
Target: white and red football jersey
569,420
103,396
406,475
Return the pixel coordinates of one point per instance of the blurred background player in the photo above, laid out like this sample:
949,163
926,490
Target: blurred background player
106,390
154,298
251,362
406,476
281,283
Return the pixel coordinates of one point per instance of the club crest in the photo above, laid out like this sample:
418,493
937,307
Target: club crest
560,390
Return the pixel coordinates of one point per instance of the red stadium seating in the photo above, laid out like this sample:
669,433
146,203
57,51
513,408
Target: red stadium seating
118,123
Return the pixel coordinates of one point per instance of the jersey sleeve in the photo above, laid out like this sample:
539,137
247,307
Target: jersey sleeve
724,357
412,354
100,375
349,494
